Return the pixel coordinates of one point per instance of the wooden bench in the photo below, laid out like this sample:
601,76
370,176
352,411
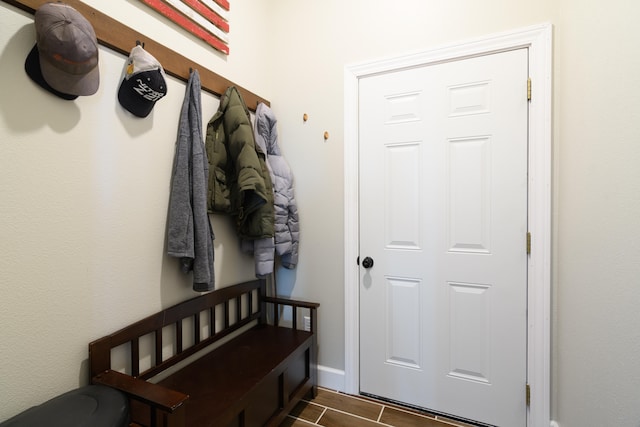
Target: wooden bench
256,373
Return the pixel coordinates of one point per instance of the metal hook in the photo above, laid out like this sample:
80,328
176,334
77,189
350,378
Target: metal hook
139,43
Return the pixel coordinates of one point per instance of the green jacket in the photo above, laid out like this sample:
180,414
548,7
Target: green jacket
239,181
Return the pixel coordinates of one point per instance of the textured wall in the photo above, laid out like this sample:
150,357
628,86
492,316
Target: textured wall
84,190
596,188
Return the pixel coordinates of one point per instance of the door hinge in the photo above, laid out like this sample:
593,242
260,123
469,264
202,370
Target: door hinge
528,394
528,243
529,89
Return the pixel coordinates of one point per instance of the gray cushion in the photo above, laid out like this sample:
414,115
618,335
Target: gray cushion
89,406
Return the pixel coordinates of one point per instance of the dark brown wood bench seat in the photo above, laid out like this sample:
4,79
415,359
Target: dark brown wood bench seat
246,373
252,379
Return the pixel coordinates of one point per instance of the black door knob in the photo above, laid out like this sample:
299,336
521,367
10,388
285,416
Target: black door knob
367,262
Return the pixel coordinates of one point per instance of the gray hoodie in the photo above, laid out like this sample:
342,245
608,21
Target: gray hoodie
190,236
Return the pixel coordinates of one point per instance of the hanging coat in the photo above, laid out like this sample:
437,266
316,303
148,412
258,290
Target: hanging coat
239,184
287,227
190,236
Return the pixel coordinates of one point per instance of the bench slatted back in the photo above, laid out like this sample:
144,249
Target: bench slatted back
190,310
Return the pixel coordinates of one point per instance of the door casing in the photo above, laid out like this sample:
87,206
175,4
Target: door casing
538,39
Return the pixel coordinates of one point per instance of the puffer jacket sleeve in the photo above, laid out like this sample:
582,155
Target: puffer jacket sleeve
252,191
263,251
286,217
289,258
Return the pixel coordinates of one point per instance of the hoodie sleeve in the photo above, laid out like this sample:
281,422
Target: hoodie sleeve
180,217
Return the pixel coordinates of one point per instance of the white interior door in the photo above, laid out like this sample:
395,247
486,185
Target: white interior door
443,216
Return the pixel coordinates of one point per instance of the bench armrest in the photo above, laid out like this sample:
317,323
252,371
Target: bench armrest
154,395
289,301
295,305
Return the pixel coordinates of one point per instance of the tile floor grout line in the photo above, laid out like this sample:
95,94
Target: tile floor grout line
303,420
309,402
356,416
383,405
433,417
417,413
339,393
448,421
354,396
324,411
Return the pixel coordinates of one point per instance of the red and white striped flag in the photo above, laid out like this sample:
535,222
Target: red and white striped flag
206,19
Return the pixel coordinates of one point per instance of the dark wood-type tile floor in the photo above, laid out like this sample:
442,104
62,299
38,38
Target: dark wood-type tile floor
335,409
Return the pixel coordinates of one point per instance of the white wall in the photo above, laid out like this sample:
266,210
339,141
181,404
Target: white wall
597,189
596,186
83,189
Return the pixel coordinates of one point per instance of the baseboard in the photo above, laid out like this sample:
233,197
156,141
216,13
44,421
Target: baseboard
554,424
331,378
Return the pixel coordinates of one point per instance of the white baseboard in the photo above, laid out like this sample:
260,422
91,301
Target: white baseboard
331,378
554,424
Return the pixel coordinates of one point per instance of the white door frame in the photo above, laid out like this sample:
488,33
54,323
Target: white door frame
538,39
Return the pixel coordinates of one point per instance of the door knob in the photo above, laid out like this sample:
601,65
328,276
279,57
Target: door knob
367,262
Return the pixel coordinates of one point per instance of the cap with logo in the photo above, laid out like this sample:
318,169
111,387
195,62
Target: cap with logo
143,83
65,58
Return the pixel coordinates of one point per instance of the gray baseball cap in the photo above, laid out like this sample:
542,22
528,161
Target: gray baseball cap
68,50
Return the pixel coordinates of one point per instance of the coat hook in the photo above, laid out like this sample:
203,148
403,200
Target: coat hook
139,43
326,135
305,117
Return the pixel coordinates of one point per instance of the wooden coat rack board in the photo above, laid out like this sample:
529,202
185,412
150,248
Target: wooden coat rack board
121,38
